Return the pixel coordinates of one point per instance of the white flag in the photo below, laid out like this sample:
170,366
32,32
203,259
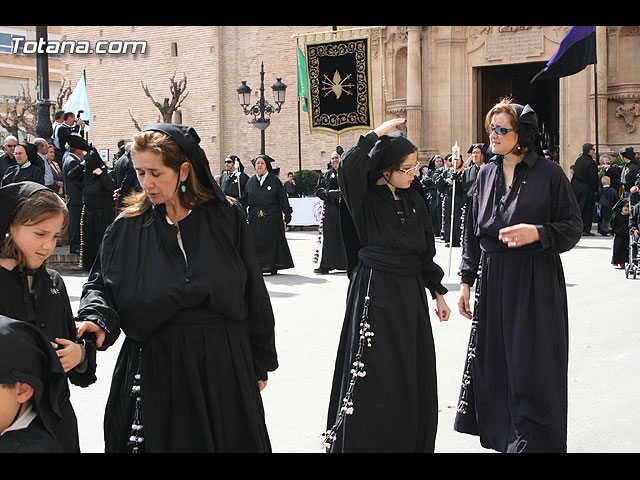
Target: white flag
79,100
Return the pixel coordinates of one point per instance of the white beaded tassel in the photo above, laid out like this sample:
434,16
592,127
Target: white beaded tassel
356,372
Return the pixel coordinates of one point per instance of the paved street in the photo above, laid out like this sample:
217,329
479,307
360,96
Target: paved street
603,378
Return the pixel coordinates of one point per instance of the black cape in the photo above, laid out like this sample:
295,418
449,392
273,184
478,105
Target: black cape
328,190
229,183
514,393
16,173
267,205
620,227
451,237
585,183
201,331
434,199
99,207
395,404
33,439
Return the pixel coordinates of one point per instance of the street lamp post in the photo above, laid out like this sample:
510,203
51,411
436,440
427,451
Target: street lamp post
43,104
262,106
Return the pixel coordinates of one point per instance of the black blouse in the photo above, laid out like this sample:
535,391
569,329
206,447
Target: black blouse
374,213
540,195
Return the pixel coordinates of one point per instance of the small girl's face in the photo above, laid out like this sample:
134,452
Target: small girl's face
37,241
625,210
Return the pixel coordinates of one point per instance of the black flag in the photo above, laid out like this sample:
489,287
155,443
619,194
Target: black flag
577,50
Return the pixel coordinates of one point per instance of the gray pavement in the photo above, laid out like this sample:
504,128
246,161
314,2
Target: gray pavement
604,354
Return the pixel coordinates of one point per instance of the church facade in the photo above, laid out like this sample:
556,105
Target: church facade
442,79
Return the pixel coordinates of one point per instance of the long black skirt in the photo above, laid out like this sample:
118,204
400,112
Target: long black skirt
197,388
94,223
270,242
395,405
333,254
514,388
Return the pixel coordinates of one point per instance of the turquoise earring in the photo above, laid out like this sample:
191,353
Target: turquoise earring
183,188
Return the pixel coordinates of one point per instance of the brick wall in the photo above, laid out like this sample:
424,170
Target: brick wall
215,60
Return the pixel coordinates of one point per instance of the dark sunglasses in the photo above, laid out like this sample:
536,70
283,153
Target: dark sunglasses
228,161
498,130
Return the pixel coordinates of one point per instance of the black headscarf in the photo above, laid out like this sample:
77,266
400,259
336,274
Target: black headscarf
388,150
482,147
26,356
32,151
235,159
12,197
628,153
267,159
77,142
93,161
188,141
528,128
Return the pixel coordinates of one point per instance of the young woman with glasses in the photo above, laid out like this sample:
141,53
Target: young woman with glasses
384,395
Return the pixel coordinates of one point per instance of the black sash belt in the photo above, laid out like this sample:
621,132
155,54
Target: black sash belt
493,245
390,261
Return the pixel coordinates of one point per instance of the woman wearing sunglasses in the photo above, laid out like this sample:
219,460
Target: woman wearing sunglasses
384,396
524,214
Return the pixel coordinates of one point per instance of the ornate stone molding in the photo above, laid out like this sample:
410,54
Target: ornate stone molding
629,112
628,95
397,107
478,35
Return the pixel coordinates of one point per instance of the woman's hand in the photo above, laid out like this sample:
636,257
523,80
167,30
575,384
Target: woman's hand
443,310
262,384
388,126
464,304
82,327
519,235
69,353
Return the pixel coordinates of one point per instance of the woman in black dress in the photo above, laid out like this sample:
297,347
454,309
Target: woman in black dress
394,408
328,190
177,273
99,207
268,212
514,389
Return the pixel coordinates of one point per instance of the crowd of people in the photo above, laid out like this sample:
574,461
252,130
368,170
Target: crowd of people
176,257
607,194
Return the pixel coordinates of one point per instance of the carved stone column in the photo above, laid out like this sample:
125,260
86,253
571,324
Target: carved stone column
601,94
414,86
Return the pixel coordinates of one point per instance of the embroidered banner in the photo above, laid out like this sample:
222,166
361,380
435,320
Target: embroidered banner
339,85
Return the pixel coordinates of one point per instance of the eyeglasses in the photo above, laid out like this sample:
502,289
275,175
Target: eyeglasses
410,171
498,130
228,161
11,146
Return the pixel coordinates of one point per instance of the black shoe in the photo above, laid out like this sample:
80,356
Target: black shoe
321,270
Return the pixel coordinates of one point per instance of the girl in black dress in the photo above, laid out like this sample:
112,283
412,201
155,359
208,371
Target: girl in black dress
620,234
524,214
394,408
268,211
31,219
